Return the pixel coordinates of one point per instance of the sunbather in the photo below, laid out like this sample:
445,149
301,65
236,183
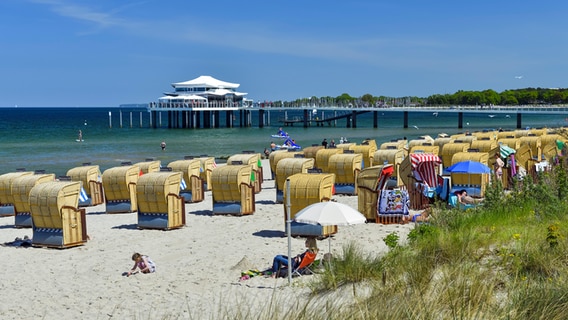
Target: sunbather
282,260
419,217
464,198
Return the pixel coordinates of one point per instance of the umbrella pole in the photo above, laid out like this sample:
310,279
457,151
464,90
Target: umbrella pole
289,230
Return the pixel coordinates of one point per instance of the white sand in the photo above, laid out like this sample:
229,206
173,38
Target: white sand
198,266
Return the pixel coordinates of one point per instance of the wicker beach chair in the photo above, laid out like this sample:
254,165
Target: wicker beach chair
307,189
287,167
346,167
159,203
371,181
232,190
253,160
21,188
119,184
57,220
6,196
89,176
191,174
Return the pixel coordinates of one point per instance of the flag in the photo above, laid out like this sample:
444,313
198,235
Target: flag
214,165
83,196
259,163
182,184
252,177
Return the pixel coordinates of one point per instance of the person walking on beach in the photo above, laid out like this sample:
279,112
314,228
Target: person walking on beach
498,167
142,262
163,145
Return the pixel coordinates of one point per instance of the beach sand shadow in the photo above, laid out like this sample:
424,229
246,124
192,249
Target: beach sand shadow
266,202
201,212
270,234
126,226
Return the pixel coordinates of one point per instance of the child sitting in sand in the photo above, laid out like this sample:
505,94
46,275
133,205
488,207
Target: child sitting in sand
142,262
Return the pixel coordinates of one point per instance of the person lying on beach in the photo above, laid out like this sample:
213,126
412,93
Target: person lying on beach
423,216
282,261
464,198
142,262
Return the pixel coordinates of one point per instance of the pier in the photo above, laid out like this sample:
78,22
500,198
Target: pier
240,115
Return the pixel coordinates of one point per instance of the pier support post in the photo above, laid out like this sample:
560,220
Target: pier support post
375,119
519,120
216,119
229,119
306,118
261,118
405,120
207,119
460,120
354,119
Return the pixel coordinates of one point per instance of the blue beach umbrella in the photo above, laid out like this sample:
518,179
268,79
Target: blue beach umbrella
469,166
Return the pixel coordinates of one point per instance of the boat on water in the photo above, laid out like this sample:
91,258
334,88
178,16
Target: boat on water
279,136
289,144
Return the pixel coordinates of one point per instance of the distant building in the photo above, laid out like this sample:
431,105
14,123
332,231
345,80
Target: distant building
203,93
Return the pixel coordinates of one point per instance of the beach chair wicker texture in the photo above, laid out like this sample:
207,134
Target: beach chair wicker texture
191,174
276,156
119,184
431,149
6,196
149,166
310,152
346,167
323,155
535,145
484,145
207,164
232,190
21,188
89,176
475,184
306,189
514,143
57,221
370,182
252,159
367,150
449,149
159,203
485,135
287,167
399,144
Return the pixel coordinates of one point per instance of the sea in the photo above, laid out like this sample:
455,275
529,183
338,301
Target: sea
38,139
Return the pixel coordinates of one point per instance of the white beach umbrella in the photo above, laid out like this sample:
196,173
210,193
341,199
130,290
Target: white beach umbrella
330,213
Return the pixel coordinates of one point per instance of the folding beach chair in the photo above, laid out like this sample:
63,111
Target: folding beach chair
305,264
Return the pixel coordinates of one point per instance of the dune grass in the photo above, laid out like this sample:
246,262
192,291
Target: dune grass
507,259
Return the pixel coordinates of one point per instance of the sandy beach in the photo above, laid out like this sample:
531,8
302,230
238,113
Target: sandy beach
198,266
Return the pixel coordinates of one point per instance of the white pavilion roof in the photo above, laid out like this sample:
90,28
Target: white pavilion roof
183,97
206,81
222,92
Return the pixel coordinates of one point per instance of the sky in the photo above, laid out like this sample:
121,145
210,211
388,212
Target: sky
104,53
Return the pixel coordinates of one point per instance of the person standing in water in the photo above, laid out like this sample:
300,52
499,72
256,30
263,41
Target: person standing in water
80,136
163,145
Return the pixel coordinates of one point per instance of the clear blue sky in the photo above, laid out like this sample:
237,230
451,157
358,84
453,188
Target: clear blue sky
103,53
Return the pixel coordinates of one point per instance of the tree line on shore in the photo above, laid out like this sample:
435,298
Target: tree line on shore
512,97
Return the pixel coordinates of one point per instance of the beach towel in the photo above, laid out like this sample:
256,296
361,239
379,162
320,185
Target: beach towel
83,197
245,275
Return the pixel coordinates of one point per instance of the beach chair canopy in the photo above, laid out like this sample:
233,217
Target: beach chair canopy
424,167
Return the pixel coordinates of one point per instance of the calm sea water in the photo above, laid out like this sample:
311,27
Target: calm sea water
45,138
